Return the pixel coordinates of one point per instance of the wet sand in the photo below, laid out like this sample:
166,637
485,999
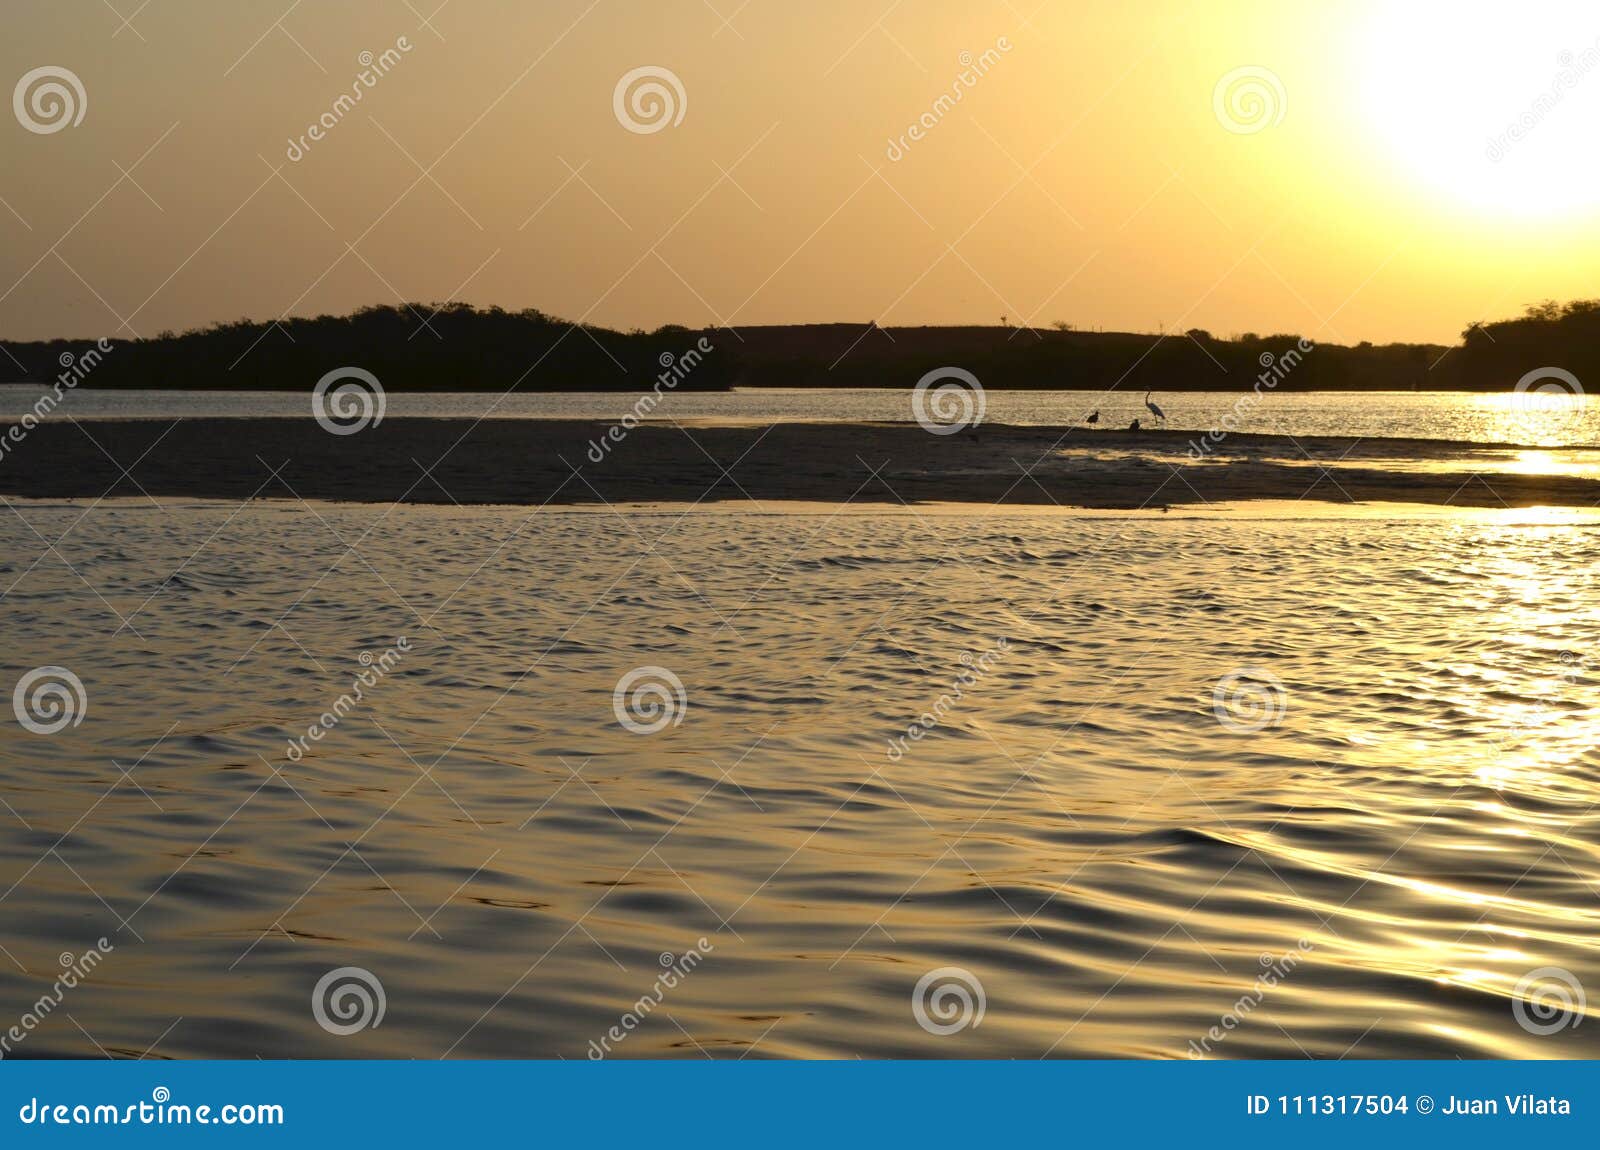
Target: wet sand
562,463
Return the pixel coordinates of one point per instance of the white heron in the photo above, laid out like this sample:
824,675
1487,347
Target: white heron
1154,410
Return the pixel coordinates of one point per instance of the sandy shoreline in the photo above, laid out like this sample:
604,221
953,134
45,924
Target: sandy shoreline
533,462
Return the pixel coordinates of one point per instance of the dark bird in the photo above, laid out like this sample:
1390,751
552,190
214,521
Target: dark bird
1093,418
1154,410
1134,426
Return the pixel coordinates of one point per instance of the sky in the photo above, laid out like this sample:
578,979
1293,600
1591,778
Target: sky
1355,171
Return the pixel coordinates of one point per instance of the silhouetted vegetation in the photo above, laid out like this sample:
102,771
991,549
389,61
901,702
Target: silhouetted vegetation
418,347
457,347
854,355
1549,334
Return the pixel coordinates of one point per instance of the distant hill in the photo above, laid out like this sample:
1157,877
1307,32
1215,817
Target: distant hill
866,355
416,347
457,347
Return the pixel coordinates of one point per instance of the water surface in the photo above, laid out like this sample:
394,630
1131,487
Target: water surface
1399,792
1468,417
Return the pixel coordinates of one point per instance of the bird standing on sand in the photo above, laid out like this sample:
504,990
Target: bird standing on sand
1093,417
1154,410
1134,426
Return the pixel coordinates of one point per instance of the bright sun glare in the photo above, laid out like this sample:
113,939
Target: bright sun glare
1494,105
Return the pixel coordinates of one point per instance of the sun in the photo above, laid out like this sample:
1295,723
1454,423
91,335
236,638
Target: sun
1495,106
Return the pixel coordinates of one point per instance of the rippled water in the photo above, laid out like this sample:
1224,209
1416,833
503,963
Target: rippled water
1469,417
1394,808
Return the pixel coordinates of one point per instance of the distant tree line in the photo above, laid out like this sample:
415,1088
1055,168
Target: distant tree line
1549,334
414,347
844,355
458,347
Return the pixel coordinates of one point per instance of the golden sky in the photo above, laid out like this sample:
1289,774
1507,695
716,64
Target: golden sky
1356,179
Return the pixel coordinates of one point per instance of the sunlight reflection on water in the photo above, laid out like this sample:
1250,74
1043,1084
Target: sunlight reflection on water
1475,417
1078,831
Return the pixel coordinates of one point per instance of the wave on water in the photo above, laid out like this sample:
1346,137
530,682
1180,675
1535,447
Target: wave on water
1143,788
